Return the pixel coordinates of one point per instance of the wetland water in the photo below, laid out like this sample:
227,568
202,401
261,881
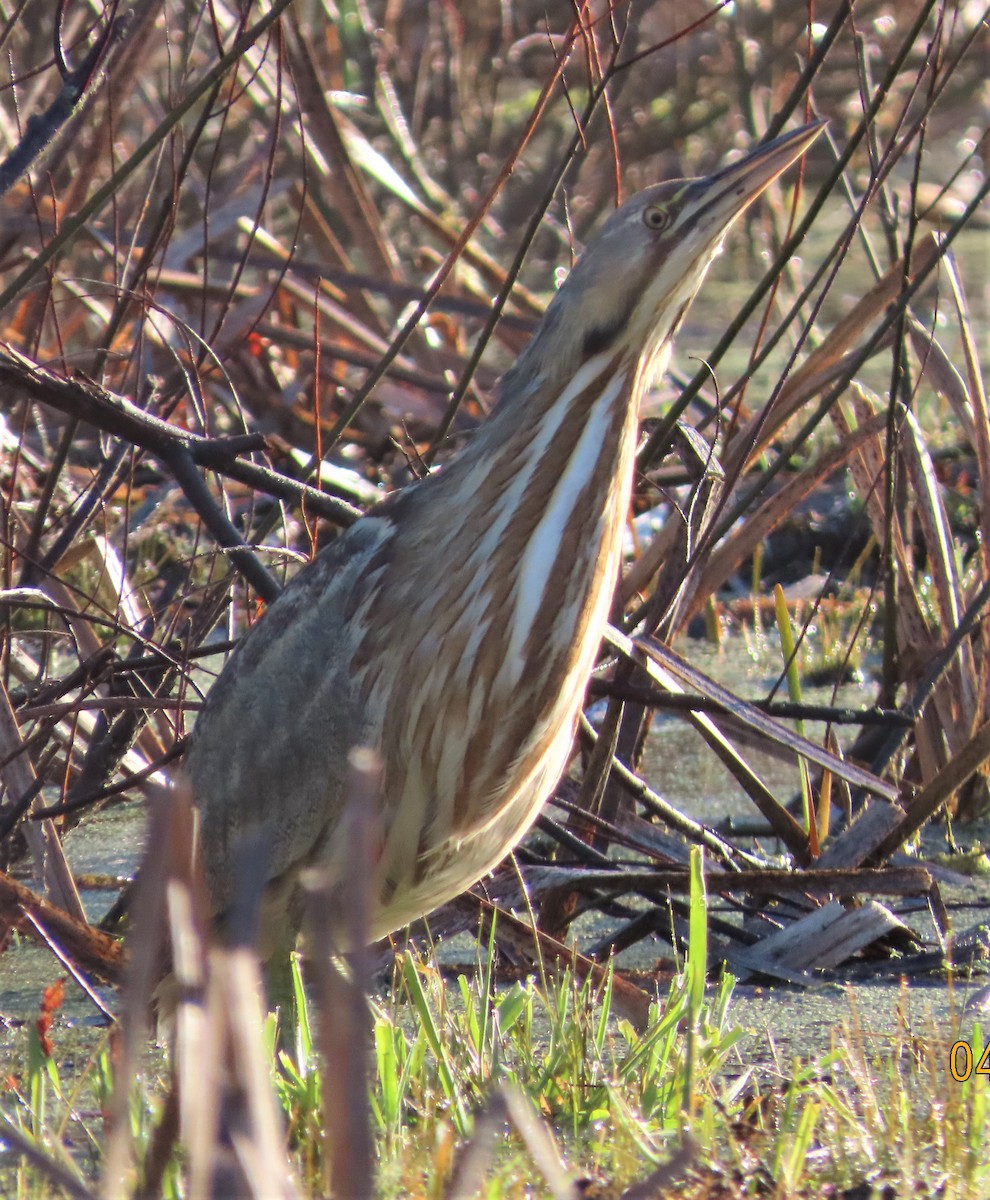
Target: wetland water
779,1023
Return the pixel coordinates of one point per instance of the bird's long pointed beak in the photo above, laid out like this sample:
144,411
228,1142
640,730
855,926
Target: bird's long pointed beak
723,196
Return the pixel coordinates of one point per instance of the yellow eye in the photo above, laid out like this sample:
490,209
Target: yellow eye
656,218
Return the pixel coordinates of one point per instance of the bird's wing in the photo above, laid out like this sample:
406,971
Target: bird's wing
269,752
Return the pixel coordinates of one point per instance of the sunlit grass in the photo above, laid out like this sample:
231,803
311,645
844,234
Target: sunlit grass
616,1102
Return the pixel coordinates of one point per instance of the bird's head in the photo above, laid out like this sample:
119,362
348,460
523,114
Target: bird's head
630,289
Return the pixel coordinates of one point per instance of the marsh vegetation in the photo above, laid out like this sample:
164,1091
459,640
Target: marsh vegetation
261,264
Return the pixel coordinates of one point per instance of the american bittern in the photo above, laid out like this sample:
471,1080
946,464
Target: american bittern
453,629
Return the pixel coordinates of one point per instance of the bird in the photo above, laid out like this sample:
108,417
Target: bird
452,629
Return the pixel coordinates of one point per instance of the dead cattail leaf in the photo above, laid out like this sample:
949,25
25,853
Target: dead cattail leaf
740,543
343,187
939,370
223,1111
957,697
670,670
866,467
978,397
825,363
144,969
967,761
338,910
249,1156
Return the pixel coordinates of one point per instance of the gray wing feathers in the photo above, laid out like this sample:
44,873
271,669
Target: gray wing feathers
279,722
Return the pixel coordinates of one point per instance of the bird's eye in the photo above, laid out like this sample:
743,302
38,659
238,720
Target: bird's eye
656,218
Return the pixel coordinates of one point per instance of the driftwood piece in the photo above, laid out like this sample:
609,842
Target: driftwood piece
76,942
506,887
793,890
854,846
826,937
744,961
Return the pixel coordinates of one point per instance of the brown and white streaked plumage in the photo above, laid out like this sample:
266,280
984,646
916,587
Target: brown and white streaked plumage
454,628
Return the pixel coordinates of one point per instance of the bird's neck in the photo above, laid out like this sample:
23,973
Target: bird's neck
545,407
544,486
530,542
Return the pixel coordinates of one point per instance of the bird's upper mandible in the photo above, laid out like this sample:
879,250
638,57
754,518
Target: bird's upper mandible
630,289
